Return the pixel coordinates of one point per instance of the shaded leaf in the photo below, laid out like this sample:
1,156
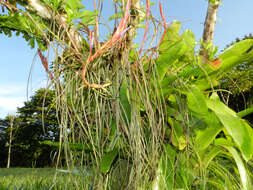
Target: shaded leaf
108,160
126,107
246,184
177,136
205,137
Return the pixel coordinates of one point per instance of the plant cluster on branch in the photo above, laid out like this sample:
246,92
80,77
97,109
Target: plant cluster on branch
151,118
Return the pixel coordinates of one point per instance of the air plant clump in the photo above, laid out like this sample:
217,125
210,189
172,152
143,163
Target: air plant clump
147,118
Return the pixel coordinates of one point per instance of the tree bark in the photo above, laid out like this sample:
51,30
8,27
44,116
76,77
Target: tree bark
10,141
209,26
133,22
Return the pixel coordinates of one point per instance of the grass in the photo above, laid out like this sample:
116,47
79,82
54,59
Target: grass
42,179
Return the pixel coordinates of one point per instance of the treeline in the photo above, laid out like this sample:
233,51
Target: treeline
34,123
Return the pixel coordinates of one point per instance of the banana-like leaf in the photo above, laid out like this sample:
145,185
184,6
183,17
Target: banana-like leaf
205,137
196,102
171,36
237,128
168,56
174,47
238,53
245,180
245,112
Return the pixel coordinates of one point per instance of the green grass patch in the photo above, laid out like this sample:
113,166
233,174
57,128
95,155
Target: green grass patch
42,179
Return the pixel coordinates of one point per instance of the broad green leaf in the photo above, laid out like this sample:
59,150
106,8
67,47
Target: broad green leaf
206,83
108,160
112,136
169,56
214,96
246,184
166,84
171,36
237,53
205,137
177,136
245,112
75,5
189,39
88,17
196,102
239,130
126,107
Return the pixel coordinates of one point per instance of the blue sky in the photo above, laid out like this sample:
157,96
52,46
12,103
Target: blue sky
234,20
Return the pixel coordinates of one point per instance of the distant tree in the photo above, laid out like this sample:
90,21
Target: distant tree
239,83
36,121
38,116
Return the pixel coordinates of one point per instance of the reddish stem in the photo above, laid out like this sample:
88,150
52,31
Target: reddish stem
163,20
45,64
146,26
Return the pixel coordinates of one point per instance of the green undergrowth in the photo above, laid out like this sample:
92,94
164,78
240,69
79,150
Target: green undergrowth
43,179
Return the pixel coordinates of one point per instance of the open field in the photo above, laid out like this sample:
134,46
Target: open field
41,179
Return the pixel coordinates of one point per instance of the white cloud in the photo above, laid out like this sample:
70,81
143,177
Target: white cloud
14,95
11,97
11,103
11,89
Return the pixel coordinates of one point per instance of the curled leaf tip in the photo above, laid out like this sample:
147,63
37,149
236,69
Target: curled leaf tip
216,63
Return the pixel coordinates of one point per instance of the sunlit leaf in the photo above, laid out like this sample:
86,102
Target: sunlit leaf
169,56
239,129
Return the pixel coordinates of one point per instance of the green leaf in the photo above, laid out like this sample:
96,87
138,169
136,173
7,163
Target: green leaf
239,129
205,137
206,83
189,39
108,160
177,136
126,107
88,17
75,5
116,16
234,55
246,184
245,112
208,155
168,56
165,170
171,36
196,102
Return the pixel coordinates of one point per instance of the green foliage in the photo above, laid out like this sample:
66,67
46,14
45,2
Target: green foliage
160,115
42,179
36,121
208,117
18,23
107,161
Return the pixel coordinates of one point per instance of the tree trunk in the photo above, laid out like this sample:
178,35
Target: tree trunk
209,26
133,22
10,141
